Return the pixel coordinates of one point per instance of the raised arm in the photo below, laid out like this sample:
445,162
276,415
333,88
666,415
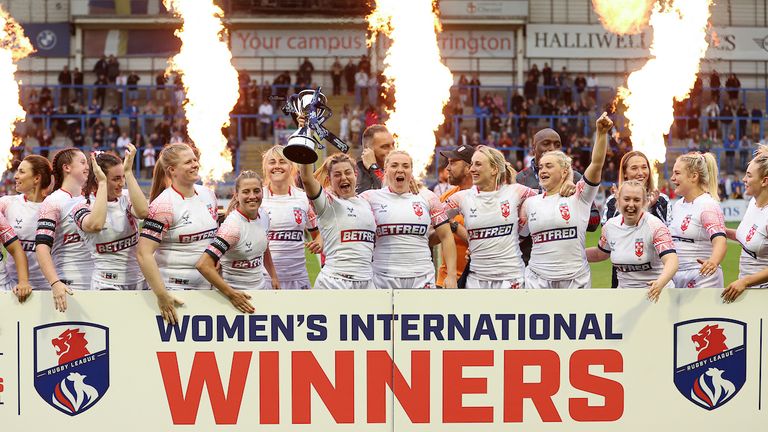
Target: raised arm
92,219
311,186
139,204
594,171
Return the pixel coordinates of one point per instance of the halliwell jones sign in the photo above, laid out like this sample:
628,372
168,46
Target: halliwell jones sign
596,360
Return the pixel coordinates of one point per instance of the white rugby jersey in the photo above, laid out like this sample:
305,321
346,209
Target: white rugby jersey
7,236
693,225
752,233
22,216
114,247
492,220
239,246
636,251
349,231
402,227
184,227
289,216
558,227
56,228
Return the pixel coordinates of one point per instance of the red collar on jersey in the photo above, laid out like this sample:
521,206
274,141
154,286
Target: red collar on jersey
638,219
180,194
63,190
246,216
272,193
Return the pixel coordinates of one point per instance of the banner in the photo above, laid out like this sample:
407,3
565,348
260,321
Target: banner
49,39
351,43
409,360
733,209
594,41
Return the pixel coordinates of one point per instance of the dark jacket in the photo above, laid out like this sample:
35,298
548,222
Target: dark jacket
528,177
367,179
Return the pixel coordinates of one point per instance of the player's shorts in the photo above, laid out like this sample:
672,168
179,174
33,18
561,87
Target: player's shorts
381,281
692,279
7,286
255,285
79,285
174,283
334,282
535,281
298,284
473,282
669,284
103,286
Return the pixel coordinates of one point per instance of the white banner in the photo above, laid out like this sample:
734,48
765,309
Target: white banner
480,360
733,209
593,41
493,9
351,43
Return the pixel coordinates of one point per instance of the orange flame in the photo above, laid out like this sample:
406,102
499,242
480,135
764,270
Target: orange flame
679,43
413,66
623,17
14,46
210,81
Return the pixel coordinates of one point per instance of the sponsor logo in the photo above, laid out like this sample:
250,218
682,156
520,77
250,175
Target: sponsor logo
28,245
71,370
686,222
118,245
401,229
46,40
505,208
18,222
565,212
683,239
357,236
288,235
628,268
490,232
710,365
473,212
184,220
417,209
298,215
190,238
248,246
556,234
247,264
351,212
639,247
71,238
751,233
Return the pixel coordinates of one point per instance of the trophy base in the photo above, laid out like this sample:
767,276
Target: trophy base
300,154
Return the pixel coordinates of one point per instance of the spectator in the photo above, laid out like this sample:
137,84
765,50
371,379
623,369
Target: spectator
101,89
714,86
265,118
474,89
122,143
463,89
442,184
121,81
743,114
733,85
349,76
356,129
757,119
149,156
77,81
364,64
361,86
534,73
730,145
132,80
133,118
337,70
65,81
530,89
78,140
113,69
745,152
160,81
549,81
344,132
726,119
373,90
100,68
712,111
377,143
592,84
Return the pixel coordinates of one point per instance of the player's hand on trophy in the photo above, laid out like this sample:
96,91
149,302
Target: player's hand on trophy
301,120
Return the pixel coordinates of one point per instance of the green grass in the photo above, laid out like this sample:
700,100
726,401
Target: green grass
601,272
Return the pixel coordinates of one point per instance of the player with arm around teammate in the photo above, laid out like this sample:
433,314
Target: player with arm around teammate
752,232
241,246
108,221
33,180
61,252
181,223
558,224
402,257
346,223
637,242
697,224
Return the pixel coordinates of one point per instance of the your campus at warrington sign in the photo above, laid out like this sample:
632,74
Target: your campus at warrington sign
379,360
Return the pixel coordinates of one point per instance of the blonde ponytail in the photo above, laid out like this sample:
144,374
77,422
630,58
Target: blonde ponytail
711,165
169,157
705,166
509,173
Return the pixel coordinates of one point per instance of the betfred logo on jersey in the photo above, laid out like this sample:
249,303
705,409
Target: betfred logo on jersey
490,232
565,212
686,222
639,247
287,235
357,236
247,264
298,215
710,360
118,245
751,233
189,238
70,238
71,365
505,208
417,209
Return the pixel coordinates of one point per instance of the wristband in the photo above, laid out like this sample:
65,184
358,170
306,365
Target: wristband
55,282
374,166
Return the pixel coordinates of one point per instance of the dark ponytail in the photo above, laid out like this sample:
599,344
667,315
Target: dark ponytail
62,157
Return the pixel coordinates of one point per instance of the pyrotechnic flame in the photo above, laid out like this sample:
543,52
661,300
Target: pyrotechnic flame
413,66
14,46
623,17
679,43
210,81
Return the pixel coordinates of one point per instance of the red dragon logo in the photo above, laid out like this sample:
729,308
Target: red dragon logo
417,209
639,246
686,222
297,215
709,341
70,345
565,212
751,233
505,208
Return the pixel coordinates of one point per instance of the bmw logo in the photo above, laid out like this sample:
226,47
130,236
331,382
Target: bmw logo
762,43
46,40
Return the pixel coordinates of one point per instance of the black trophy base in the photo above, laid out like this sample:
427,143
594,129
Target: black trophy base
300,154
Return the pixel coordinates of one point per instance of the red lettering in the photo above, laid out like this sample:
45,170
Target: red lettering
269,387
2,388
540,393
205,372
383,372
455,386
581,379
307,373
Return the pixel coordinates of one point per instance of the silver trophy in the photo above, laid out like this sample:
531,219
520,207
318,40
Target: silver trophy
302,143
